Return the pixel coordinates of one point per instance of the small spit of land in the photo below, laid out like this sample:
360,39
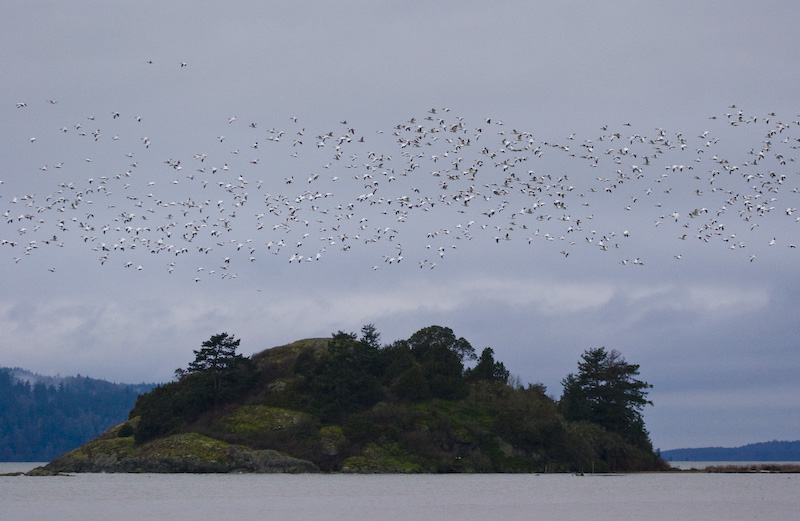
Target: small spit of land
785,468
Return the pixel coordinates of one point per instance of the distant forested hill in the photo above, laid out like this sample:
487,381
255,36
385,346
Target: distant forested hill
766,451
42,417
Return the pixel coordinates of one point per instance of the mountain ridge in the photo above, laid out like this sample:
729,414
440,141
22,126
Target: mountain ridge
760,451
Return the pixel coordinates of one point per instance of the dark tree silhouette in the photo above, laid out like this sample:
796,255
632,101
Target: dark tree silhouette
487,369
216,357
438,337
370,336
441,355
605,391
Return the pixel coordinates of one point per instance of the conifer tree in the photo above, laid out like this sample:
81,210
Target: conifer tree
605,391
216,356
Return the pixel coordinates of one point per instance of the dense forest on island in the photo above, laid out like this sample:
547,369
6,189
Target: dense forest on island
42,417
429,403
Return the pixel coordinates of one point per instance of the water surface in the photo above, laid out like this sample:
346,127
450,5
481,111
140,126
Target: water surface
658,496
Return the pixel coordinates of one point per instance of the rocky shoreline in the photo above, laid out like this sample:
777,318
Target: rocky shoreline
180,453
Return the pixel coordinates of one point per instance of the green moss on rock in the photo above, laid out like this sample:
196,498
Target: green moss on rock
186,452
379,459
332,439
253,419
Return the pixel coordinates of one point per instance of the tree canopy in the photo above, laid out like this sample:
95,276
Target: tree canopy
346,378
441,355
438,337
487,369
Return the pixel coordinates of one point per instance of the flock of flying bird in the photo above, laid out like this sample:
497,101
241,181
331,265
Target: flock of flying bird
415,193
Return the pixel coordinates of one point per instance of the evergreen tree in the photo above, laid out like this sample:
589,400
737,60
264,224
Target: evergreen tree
487,369
370,336
347,377
606,392
216,356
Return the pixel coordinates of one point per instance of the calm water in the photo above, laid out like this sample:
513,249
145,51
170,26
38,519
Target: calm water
154,497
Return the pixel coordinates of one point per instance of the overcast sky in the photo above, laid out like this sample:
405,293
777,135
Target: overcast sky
543,178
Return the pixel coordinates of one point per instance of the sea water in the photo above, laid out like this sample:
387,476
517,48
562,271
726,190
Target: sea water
440,497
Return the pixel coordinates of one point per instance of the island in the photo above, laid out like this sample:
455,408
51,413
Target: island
348,404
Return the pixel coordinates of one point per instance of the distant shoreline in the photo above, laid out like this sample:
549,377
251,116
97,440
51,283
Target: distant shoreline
736,466
770,451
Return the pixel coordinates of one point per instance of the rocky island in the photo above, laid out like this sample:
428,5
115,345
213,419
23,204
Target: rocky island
348,404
